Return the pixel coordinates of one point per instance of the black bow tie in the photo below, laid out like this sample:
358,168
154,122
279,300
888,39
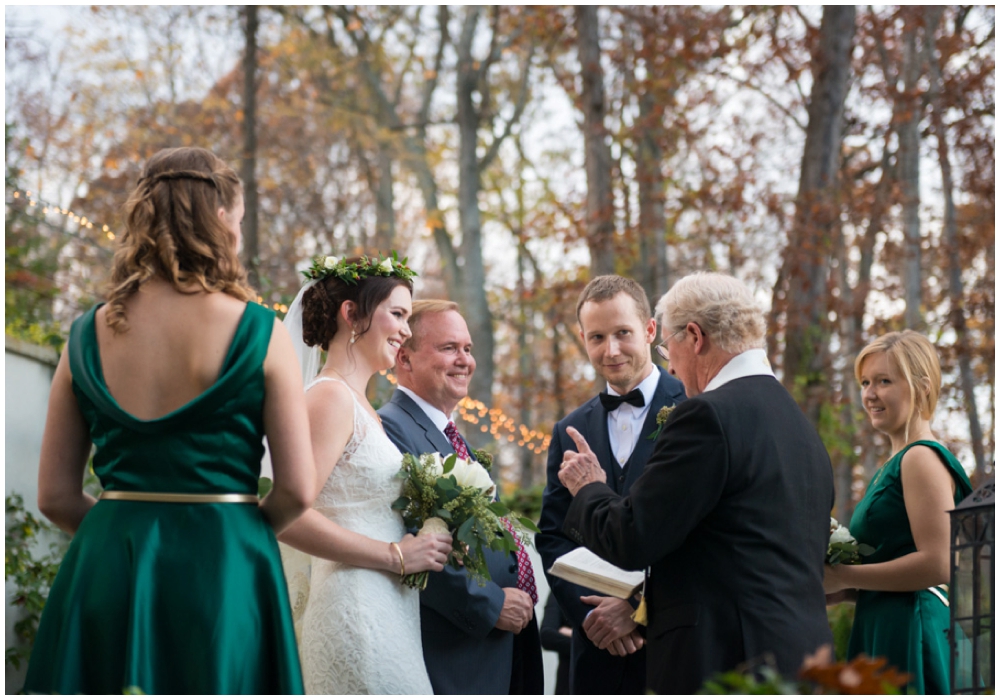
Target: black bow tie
611,402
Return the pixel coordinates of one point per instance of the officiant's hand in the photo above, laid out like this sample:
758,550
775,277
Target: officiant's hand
581,467
609,621
629,644
516,611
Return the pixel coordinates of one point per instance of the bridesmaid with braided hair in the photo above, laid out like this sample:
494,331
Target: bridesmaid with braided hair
173,580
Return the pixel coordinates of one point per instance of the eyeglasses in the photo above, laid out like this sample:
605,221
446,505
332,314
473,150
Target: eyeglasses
661,349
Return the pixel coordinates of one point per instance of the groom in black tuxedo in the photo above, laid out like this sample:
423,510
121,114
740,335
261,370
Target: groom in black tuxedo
476,639
732,511
616,326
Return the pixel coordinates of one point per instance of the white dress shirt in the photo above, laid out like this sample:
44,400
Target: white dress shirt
625,422
752,363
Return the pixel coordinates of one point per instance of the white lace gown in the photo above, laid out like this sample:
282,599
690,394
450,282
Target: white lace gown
361,627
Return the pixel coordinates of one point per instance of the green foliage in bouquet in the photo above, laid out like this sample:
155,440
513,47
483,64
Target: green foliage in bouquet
458,495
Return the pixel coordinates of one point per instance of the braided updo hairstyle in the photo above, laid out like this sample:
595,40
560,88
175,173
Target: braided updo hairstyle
173,230
321,305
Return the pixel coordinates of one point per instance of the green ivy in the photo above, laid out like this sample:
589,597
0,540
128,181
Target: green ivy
31,575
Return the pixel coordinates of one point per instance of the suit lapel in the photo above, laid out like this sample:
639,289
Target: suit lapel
433,436
644,446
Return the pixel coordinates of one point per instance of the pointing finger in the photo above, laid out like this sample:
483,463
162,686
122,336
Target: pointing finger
581,442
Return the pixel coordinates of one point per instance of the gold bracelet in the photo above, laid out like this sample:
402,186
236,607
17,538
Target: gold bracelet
402,566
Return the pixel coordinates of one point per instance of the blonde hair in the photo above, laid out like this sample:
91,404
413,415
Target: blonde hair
422,308
723,306
915,359
172,230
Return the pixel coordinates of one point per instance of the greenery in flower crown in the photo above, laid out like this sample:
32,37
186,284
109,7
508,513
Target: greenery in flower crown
350,272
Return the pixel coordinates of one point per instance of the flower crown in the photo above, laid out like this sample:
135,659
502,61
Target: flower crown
350,272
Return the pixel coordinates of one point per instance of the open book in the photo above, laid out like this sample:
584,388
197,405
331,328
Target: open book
583,567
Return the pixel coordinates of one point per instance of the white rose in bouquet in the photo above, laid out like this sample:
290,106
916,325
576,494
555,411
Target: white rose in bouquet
472,474
434,464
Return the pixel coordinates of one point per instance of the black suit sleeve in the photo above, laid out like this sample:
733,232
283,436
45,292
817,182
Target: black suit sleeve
551,542
683,481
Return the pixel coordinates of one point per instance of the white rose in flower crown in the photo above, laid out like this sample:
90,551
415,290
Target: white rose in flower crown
472,474
330,262
386,265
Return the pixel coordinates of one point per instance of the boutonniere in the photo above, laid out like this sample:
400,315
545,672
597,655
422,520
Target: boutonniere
484,458
661,418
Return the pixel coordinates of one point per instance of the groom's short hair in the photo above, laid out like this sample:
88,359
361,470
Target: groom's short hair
607,287
421,309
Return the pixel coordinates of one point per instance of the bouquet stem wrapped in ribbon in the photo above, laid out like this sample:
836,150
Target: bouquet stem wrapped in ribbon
456,496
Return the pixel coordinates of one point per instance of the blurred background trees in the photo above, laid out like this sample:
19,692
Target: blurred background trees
839,160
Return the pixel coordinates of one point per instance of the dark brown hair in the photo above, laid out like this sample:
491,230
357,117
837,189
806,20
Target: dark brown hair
321,304
607,287
172,230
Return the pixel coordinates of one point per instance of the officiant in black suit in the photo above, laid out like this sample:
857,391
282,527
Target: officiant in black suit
476,639
616,326
732,511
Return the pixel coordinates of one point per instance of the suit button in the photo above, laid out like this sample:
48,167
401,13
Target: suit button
513,568
621,479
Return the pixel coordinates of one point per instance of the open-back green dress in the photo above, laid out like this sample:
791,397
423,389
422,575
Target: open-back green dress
172,597
909,629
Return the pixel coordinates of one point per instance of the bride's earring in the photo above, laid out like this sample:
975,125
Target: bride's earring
354,337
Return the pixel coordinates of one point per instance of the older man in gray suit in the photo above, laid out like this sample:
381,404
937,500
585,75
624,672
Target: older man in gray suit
477,639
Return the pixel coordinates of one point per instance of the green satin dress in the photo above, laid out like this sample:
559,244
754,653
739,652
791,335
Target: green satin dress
909,629
172,597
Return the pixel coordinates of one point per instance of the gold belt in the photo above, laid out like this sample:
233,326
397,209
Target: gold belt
160,497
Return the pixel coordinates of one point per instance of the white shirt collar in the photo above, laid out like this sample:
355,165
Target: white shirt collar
647,386
752,363
437,416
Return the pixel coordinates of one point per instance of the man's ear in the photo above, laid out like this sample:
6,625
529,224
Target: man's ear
650,330
403,358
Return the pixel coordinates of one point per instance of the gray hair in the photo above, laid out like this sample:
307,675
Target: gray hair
723,306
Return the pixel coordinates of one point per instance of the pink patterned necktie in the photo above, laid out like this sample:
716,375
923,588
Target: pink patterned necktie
525,574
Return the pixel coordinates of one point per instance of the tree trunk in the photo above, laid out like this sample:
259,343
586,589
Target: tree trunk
472,273
956,291
652,263
385,208
807,258
597,151
910,113
248,166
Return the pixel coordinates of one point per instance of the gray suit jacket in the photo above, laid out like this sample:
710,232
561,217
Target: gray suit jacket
463,651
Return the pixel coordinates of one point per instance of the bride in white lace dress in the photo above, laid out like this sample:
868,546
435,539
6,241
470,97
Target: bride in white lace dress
360,627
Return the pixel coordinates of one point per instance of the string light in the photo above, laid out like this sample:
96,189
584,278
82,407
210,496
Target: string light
500,426
81,221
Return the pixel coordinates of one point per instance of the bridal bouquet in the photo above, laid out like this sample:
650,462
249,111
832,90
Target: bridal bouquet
456,496
843,548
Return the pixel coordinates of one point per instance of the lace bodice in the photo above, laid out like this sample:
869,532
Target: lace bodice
361,627
362,485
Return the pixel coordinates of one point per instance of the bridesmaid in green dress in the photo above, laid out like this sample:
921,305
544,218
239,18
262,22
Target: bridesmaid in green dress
173,582
902,605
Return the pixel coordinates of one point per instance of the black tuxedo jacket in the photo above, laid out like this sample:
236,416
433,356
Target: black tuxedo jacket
732,514
463,651
593,671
